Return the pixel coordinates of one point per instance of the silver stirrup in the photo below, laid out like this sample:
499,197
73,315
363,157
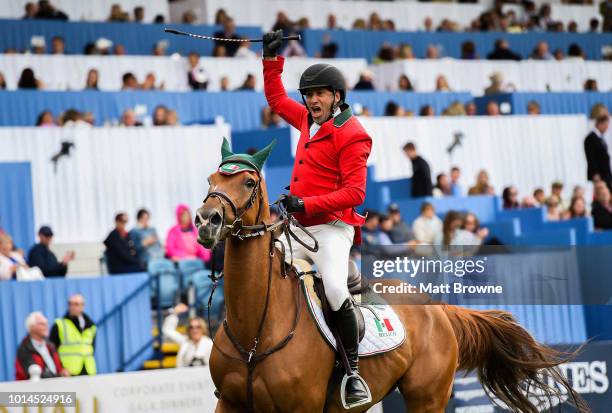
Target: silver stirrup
343,392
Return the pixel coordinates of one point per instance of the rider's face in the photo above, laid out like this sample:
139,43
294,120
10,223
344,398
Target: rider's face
319,102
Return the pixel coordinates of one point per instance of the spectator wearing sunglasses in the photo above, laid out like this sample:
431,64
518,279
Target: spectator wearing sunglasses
196,345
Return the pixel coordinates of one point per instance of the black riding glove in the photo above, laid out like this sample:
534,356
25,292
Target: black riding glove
293,204
272,42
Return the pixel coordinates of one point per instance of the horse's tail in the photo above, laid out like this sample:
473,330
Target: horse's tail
509,360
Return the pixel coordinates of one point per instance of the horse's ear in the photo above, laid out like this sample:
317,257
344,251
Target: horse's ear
261,156
226,152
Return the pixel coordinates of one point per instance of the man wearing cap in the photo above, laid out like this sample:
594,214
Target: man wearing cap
328,181
42,257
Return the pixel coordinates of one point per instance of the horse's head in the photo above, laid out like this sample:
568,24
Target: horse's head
236,196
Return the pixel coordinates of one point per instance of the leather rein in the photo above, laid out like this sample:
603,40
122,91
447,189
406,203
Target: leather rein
242,232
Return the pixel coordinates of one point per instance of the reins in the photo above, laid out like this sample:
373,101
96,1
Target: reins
245,232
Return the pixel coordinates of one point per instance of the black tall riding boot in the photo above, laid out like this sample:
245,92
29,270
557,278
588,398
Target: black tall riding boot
356,391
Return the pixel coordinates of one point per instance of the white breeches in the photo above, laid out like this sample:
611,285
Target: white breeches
335,241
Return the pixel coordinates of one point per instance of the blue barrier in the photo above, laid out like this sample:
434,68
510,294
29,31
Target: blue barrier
363,43
16,203
120,305
138,39
550,103
241,109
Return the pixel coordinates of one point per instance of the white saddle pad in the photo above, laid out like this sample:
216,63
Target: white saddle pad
384,330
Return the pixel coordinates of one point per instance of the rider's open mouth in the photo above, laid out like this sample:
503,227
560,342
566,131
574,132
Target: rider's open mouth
316,110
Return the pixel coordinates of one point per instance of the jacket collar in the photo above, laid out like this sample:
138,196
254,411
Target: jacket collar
338,121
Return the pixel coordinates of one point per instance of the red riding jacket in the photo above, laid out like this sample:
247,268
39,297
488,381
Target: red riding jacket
330,170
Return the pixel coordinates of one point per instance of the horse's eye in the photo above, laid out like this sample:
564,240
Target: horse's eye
250,183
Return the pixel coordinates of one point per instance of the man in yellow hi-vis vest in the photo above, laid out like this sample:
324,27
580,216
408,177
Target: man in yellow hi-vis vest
74,337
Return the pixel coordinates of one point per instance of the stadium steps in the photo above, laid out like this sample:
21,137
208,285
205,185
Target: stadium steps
169,350
87,257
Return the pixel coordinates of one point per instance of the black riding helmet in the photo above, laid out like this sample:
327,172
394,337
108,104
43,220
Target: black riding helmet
323,75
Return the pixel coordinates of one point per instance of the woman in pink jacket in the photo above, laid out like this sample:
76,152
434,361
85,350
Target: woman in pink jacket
182,241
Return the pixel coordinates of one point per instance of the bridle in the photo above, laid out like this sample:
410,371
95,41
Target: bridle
245,232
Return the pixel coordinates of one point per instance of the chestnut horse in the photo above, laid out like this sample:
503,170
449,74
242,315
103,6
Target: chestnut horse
270,357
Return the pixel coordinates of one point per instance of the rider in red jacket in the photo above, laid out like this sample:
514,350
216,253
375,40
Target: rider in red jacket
327,183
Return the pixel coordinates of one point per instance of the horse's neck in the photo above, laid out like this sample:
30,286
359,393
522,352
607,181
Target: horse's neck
245,284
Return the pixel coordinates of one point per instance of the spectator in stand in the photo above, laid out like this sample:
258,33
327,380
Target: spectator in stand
160,115
28,80
74,336
597,110
139,14
197,76
401,232
365,81
196,346
533,108
577,209
502,51
159,19
497,84
470,109
574,51
454,109
119,50
421,174
150,83
405,52
2,81
428,24
596,151
249,83
443,186
442,84
468,50
601,208
404,84
10,260
172,118
182,240
539,197
510,198
556,189
30,11
432,52
546,21
593,25
453,235
47,11
386,53
282,23
427,110
375,22
121,256
294,49
590,85
427,227
228,32
224,83
220,16
559,55
145,238
37,356
455,175
91,83
117,14
41,256
245,52
271,120
57,45
482,186
553,211
329,49
129,82
128,118
45,119
359,24
159,48
493,108
541,52
189,17
393,109
332,23
471,224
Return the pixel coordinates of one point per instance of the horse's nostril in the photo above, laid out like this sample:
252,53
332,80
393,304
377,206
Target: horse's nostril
215,219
